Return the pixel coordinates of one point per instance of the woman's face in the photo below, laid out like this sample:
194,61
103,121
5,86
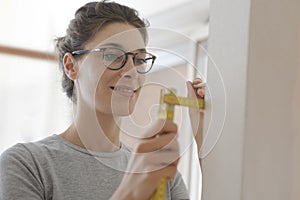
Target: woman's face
105,90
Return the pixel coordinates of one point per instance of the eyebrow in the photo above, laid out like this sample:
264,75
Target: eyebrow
121,47
113,44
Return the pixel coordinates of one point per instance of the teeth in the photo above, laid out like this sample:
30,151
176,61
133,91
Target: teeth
124,90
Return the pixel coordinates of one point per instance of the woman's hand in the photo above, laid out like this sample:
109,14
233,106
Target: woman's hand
153,159
196,115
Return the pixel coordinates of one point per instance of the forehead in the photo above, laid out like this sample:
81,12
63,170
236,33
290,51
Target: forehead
124,35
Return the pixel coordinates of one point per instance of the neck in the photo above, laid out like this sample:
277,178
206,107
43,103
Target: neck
94,131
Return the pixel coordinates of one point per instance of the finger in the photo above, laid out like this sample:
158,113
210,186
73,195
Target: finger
163,159
168,172
195,92
164,143
156,143
158,127
175,163
148,160
191,90
168,127
152,161
201,92
197,81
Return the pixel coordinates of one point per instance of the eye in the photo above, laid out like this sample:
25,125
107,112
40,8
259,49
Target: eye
111,57
140,61
141,58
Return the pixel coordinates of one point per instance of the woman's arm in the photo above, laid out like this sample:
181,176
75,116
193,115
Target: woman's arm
18,178
196,115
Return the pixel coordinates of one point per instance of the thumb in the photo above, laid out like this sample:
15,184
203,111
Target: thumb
190,89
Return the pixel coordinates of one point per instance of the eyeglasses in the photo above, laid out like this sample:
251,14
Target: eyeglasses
115,58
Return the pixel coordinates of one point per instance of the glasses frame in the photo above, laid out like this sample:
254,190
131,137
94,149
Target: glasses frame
84,51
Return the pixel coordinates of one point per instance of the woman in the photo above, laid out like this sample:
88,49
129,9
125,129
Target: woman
104,61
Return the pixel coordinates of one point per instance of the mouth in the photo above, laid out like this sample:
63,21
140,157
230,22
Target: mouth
124,90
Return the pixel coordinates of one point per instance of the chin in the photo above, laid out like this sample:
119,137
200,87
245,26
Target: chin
124,106
123,110
122,114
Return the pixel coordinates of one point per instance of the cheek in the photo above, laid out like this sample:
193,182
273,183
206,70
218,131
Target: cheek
91,78
103,98
141,82
103,87
104,82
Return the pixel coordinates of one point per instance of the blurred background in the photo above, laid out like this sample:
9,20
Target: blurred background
32,104
255,49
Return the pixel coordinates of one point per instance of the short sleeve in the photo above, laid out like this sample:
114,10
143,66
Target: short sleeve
177,188
19,178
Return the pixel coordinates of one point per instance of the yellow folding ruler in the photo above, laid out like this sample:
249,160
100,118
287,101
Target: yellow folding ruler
168,100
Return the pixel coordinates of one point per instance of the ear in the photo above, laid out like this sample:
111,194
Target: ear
70,66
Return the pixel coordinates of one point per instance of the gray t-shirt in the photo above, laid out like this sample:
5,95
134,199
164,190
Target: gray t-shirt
54,168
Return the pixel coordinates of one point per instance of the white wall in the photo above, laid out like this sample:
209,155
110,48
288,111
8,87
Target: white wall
272,76
228,48
254,44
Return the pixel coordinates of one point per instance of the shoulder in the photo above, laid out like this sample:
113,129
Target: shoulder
23,153
16,153
19,173
27,160
16,164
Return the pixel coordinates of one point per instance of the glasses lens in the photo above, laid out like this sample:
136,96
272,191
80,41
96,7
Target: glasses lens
143,62
113,58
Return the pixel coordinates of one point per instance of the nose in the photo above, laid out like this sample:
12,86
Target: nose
129,70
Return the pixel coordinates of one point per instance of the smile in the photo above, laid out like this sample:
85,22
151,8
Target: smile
124,90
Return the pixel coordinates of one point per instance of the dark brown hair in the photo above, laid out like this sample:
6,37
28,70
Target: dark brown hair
89,19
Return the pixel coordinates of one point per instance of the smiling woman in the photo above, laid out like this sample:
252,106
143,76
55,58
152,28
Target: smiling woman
104,61
104,83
